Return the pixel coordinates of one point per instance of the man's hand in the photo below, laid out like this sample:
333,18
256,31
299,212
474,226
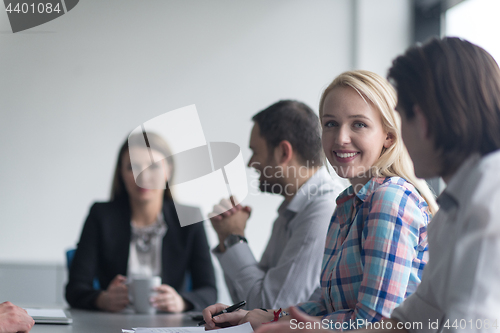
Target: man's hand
286,326
168,300
225,208
115,298
228,219
14,319
223,320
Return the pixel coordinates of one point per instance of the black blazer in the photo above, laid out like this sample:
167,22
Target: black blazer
103,252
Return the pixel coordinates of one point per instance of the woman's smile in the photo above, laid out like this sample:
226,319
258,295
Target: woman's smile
345,156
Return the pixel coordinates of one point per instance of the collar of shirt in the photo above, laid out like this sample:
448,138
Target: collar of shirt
320,183
457,189
344,209
364,192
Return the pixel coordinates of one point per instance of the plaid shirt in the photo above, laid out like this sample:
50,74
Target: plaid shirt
374,254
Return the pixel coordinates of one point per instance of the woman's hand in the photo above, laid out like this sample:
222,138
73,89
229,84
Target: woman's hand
258,317
115,298
223,320
168,300
301,323
14,319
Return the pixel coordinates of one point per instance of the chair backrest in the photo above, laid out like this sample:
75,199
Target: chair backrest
70,254
188,282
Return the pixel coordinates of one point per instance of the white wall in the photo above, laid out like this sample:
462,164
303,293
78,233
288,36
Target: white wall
384,29
71,90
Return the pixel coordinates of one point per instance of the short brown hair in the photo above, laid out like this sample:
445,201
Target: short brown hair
295,122
457,86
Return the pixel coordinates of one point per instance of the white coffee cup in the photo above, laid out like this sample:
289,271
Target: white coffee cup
142,289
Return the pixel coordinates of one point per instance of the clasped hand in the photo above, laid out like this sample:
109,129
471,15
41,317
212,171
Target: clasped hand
228,219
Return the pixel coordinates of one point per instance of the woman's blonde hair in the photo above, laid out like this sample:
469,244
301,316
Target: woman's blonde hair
395,160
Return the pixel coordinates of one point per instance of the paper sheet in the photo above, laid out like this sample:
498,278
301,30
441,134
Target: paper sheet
169,330
243,328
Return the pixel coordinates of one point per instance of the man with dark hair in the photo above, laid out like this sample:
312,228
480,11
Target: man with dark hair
451,127
287,152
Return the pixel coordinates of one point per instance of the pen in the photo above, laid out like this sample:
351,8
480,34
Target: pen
226,310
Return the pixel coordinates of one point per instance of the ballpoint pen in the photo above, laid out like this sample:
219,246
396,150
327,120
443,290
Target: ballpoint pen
226,310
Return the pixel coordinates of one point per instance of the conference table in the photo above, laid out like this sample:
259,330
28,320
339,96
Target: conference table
104,322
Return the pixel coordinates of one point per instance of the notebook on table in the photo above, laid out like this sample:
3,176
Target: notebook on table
49,316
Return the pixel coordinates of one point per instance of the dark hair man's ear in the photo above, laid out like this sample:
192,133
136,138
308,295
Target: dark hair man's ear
283,152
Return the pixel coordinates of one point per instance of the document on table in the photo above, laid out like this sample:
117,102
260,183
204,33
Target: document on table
243,328
169,329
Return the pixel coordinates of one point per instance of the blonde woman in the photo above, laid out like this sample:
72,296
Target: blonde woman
376,247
